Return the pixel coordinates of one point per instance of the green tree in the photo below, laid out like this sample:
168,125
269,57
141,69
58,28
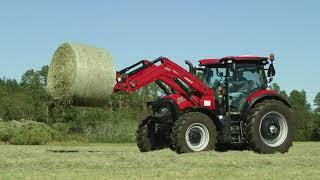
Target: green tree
14,100
316,118
34,84
275,86
302,114
317,102
43,75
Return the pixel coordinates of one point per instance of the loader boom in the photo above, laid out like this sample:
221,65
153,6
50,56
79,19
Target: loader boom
164,70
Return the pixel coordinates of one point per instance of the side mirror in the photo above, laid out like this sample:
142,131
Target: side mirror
271,71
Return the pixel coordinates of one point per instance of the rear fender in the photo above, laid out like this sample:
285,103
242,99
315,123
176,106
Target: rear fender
261,96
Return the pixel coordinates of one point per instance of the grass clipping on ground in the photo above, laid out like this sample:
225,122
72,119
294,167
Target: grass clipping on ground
81,74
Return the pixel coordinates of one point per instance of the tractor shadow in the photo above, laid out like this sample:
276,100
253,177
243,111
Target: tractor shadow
69,151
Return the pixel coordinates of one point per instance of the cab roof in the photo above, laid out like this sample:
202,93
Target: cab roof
205,62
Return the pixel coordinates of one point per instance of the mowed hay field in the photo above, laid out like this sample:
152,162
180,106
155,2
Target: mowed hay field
124,161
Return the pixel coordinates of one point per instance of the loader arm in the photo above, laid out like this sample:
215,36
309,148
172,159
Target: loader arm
162,69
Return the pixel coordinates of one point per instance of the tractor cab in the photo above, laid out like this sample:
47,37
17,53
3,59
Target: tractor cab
236,78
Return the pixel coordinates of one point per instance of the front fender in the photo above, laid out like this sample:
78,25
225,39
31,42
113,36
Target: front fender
169,102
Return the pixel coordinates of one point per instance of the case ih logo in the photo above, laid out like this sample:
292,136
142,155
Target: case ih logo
180,99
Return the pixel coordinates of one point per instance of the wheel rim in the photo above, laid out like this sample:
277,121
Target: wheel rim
273,129
197,137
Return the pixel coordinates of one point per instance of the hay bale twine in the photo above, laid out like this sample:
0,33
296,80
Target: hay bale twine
81,74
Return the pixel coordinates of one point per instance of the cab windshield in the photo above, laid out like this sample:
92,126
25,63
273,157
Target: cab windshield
248,75
242,80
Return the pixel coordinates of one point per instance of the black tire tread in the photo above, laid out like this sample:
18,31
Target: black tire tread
143,141
254,141
178,132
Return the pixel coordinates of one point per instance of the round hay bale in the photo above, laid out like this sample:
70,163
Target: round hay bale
81,74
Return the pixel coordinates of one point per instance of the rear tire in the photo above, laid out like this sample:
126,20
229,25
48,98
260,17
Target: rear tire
192,132
270,127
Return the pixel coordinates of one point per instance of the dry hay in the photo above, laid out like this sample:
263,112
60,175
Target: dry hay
81,74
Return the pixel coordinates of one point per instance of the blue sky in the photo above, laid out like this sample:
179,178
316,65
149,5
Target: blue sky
31,30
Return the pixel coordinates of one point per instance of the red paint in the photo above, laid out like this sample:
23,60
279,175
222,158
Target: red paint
260,93
246,58
184,102
208,97
180,100
205,62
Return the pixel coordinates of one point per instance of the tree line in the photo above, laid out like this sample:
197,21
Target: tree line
28,99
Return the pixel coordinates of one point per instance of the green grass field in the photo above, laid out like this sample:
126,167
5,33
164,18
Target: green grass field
124,161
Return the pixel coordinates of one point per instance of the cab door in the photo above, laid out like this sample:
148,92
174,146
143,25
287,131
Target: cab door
215,78
245,79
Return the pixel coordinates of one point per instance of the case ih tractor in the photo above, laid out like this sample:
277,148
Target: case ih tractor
229,106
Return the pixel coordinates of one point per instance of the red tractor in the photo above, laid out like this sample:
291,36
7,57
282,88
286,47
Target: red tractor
228,107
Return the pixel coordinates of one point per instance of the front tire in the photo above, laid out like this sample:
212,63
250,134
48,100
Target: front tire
270,127
193,132
148,139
